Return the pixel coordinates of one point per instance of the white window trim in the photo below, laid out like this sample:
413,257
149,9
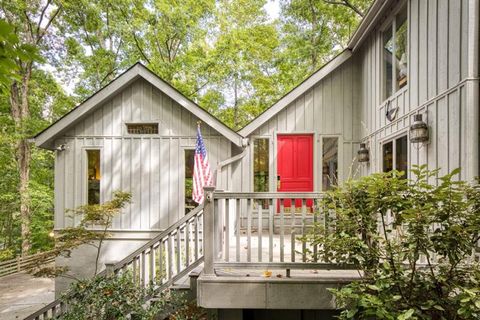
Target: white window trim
272,187
393,139
340,159
85,172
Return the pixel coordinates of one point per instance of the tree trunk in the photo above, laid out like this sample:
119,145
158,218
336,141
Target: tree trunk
20,111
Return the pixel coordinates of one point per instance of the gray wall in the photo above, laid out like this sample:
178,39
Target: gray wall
151,167
329,108
437,50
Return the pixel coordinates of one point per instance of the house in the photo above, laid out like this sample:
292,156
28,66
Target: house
408,58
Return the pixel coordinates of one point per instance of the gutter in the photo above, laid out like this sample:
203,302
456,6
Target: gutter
220,165
473,88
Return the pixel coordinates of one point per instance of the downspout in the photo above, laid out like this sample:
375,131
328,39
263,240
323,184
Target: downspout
229,161
473,91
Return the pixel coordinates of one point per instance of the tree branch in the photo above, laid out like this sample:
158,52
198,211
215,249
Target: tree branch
346,3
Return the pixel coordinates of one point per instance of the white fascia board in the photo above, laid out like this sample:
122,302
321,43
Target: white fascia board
295,93
203,115
44,138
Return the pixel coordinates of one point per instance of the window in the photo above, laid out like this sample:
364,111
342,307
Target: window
142,128
395,64
261,165
329,163
395,155
189,164
93,176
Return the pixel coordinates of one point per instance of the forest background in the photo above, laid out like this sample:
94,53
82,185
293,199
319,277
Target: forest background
234,58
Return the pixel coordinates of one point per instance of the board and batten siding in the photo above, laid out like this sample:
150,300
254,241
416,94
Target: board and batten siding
437,77
327,109
151,167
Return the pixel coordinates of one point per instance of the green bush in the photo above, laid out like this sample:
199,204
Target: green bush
412,242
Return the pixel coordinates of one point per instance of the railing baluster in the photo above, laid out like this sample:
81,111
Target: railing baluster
187,243
315,247
237,229
282,230
178,251
249,230
170,257
160,261
152,265
196,238
143,279
304,217
259,230
292,246
270,230
227,231
134,267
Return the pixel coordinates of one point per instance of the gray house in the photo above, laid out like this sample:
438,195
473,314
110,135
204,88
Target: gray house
410,63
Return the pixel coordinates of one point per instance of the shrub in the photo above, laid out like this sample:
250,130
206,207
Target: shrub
412,242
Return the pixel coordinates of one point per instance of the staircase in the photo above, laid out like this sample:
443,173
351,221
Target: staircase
161,262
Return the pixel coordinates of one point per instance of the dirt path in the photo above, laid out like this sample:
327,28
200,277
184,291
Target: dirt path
21,294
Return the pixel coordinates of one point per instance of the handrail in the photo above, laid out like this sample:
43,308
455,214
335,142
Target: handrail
164,252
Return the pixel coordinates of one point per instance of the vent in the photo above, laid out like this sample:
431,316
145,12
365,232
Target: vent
142,128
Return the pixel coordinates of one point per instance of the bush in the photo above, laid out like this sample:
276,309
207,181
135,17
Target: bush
412,243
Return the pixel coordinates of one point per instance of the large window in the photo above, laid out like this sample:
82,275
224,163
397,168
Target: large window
261,165
395,155
189,164
329,163
93,176
395,59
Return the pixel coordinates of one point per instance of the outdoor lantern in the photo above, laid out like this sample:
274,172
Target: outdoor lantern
362,153
418,130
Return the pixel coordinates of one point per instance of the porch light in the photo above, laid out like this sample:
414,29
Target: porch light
418,130
363,153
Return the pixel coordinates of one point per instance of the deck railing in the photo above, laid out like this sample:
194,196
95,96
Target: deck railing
262,230
159,263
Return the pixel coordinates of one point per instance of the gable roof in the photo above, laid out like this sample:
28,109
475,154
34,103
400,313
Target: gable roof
45,138
295,93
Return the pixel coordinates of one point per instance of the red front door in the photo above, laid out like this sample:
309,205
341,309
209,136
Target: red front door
295,165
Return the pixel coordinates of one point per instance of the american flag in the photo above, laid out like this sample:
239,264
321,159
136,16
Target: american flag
202,175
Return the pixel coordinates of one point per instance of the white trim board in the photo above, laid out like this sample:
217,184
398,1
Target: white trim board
295,93
45,138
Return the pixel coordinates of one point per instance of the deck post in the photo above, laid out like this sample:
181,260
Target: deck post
109,268
208,230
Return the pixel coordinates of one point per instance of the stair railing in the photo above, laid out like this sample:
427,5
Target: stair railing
160,262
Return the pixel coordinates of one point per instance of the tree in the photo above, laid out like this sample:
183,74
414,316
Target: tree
313,32
413,242
31,21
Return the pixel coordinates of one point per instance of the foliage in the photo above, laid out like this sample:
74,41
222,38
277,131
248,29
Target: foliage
411,239
92,230
118,296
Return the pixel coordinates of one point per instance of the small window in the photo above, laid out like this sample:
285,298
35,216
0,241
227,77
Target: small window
142,128
395,155
93,177
395,63
189,164
329,163
261,165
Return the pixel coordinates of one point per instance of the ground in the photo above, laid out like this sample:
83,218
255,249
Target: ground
21,294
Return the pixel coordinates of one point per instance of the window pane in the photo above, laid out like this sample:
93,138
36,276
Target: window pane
387,61
93,176
401,152
329,163
401,62
260,165
388,156
189,163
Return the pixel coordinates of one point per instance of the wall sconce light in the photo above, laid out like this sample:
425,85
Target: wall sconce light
363,154
61,147
418,130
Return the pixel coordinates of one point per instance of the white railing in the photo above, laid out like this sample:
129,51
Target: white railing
159,263
262,230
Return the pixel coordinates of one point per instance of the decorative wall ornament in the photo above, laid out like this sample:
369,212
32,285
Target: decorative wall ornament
391,112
